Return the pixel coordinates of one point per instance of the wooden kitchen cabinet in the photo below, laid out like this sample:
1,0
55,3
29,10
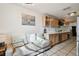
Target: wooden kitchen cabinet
50,21
47,22
69,20
54,39
64,36
54,23
66,23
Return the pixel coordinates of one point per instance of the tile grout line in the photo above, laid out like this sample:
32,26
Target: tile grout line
61,48
70,51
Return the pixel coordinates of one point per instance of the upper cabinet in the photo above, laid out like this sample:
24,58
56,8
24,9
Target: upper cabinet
66,23
50,21
47,21
69,20
55,22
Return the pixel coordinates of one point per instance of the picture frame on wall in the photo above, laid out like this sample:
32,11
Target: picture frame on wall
28,20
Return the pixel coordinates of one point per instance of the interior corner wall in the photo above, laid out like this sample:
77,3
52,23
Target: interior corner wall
11,20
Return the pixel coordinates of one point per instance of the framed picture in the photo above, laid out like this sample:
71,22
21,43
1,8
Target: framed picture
28,20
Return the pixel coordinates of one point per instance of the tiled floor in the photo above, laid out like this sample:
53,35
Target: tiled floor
67,48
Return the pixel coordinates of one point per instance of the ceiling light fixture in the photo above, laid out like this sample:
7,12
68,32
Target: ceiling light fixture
30,4
72,14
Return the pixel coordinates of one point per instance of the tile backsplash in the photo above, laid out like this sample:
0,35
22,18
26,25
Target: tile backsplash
58,29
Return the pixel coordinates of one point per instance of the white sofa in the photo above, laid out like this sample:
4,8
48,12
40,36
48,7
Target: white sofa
31,46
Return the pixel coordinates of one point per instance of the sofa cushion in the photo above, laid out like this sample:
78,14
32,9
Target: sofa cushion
39,41
22,51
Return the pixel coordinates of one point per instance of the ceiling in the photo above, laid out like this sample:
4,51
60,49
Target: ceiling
56,9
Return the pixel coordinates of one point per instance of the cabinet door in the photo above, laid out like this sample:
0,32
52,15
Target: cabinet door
66,23
51,39
47,22
64,36
57,38
54,39
54,23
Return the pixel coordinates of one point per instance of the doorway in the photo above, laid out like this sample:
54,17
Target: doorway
74,31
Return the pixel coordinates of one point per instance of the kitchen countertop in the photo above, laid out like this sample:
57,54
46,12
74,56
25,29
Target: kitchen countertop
57,32
47,34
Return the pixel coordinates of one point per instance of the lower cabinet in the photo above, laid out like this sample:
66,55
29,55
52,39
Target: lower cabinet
64,36
54,39
57,38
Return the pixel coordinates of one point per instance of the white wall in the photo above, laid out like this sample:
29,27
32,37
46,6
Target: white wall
77,50
73,24
11,20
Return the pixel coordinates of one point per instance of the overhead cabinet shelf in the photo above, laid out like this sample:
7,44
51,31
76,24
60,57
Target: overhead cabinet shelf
54,22
51,22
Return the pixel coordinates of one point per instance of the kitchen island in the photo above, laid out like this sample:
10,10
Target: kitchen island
57,37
